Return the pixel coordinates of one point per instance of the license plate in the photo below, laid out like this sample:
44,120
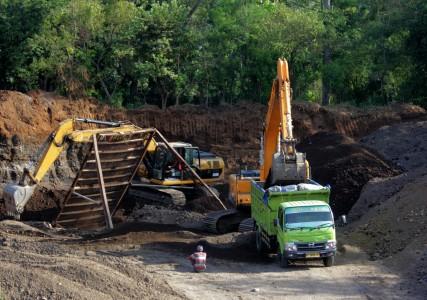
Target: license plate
314,254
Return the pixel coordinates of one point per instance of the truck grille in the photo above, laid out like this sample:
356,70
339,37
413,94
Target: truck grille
311,246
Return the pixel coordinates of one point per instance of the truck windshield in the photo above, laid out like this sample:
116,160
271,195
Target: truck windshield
308,217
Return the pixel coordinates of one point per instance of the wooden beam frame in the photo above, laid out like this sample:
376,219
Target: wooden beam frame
108,219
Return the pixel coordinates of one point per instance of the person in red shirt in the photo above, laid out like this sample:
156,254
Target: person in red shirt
198,259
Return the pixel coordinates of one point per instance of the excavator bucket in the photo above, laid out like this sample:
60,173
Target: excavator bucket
103,179
15,198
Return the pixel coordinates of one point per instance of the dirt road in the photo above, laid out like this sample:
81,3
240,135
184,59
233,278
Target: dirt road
349,279
139,262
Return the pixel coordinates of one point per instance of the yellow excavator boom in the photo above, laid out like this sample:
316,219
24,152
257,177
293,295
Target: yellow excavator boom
67,130
280,160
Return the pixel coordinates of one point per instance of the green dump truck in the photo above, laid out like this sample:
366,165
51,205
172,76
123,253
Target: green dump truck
295,221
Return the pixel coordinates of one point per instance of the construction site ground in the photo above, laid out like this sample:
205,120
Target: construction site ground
147,261
374,159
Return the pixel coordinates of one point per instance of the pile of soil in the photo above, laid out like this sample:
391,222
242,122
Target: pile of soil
344,164
395,231
389,220
41,264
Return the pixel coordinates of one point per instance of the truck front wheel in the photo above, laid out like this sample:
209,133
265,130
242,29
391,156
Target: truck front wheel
284,262
329,261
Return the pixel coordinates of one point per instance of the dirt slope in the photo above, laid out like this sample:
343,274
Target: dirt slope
389,220
232,132
346,165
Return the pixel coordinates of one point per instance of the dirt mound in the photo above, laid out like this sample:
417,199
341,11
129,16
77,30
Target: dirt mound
34,267
405,144
389,219
396,231
344,164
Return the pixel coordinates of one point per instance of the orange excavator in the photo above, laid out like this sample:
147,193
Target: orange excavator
280,162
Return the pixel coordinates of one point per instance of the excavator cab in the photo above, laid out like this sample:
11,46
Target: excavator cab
166,166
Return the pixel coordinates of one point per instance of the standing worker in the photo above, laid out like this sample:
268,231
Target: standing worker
198,259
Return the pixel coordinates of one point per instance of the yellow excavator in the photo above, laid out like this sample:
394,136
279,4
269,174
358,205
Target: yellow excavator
112,154
280,162
162,168
163,178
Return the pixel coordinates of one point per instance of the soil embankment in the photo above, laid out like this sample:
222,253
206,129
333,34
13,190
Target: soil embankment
231,132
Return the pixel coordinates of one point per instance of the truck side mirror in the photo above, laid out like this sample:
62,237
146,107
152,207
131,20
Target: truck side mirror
276,222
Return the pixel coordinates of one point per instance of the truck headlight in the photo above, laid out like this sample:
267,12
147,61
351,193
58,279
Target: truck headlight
331,244
290,247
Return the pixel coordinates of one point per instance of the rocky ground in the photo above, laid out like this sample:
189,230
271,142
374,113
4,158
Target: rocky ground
149,262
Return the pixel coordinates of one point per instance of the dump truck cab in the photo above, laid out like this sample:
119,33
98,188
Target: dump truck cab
295,221
306,230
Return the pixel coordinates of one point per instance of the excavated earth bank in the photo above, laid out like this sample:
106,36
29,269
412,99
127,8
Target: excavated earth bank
231,132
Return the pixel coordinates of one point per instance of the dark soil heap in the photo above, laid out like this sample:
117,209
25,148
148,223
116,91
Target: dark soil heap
344,164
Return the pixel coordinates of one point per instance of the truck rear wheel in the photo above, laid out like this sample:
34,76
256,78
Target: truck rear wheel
329,261
284,262
260,246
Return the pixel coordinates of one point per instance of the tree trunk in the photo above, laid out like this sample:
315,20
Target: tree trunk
326,5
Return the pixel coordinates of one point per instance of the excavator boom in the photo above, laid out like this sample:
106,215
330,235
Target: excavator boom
17,195
281,163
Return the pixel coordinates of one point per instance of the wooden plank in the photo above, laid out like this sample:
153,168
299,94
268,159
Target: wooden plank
122,142
135,170
114,160
107,214
132,149
114,169
85,197
70,192
82,179
80,212
95,186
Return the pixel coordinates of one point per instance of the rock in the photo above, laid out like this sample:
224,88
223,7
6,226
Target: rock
90,253
255,290
4,242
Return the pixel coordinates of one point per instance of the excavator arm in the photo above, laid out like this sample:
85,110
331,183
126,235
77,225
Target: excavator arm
281,163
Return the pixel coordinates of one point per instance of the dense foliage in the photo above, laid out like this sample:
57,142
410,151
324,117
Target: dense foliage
132,52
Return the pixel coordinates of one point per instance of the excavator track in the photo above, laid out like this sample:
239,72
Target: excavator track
224,221
247,225
161,196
